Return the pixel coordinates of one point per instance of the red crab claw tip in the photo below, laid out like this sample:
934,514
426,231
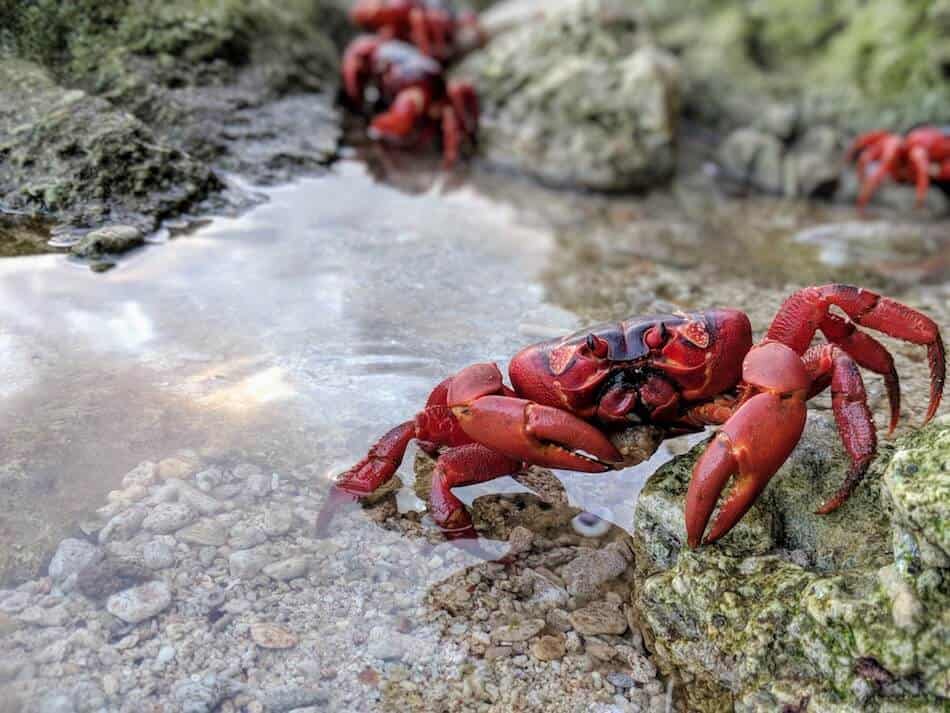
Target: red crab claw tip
752,445
938,370
537,434
562,428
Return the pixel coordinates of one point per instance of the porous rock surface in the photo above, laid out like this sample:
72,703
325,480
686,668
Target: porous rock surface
847,612
579,98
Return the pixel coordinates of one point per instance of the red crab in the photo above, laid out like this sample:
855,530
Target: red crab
919,157
413,90
681,371
433,26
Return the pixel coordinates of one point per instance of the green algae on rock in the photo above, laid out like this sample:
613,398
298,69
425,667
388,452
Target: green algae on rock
123,111
831,609
579,99
73,155
856,64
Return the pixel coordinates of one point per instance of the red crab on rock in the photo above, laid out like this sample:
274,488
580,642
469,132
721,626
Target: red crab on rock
920,157
412,89
433,26
680,371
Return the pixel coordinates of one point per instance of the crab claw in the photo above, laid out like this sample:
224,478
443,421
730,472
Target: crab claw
752,445
537,434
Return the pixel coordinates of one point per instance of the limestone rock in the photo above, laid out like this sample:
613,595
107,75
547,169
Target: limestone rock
811,607
140,603
579,98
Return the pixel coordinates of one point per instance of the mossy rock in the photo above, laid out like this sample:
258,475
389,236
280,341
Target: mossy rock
579,99
859,64
69,154
799,607
124,110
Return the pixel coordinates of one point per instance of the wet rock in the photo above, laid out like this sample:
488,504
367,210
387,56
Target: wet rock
288,569
196,499
159,553
210,478
271,636
515,631
579,98
183,91
60,151
599,618
56,703
549,648
167,518
71,556
814,167
123,525
916,486
620,680
277,521
586,572
387,645
108,240
288,698
246,535
176,468
144,474
244,564
99,580
205,532
137,604
857,599
201,696
755,158
44,616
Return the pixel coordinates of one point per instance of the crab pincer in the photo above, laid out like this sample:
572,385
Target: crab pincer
781,373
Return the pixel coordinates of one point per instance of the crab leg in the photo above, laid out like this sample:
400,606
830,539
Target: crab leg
920,160
863,142
753,443
868,353
465,465
399,121
451,137
806,310
890,150
435,426
827,363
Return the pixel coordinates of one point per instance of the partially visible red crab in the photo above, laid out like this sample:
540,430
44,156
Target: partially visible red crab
919,157
683,372
433,26
412,89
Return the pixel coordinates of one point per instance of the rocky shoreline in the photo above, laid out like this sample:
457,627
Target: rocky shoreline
148,121
174,111
200,586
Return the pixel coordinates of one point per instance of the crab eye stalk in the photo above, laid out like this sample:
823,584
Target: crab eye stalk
655,337
597,346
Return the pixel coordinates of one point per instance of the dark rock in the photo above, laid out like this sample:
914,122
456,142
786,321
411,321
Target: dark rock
102,579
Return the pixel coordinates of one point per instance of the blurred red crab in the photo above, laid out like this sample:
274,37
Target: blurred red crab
920,156
680,371
414,99
433,26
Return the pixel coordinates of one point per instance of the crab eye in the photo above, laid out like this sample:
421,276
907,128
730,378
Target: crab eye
696,333
655,337
597,346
